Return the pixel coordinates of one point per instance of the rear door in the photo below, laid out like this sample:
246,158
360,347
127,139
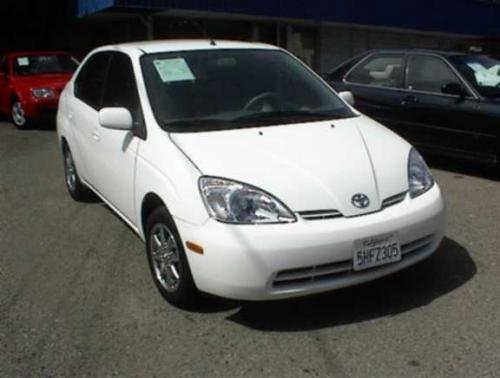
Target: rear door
85,105
377,83
442,123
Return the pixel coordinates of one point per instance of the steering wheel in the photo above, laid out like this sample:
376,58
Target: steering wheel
261,98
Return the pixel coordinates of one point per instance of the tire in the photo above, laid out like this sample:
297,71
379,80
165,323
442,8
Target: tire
77,190
18,115
167,260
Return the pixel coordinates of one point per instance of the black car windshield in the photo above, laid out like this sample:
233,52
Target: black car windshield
225,89
31,65
482,71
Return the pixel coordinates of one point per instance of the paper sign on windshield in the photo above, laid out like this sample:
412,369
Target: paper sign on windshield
23,61
171,70
487,77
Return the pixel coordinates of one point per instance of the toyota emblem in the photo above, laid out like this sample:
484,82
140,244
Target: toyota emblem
360,200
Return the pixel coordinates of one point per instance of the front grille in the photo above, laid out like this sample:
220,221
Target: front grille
394,200
332,213
331,271
320,214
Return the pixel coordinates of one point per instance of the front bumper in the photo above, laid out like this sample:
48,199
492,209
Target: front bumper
39,108
265,262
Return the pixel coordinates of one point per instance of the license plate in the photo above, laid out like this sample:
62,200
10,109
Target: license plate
376,251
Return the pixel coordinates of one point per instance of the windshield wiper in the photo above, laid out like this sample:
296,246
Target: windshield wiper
195,122
290,113
199,124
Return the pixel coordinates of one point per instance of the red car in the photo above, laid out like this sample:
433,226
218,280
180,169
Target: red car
30,83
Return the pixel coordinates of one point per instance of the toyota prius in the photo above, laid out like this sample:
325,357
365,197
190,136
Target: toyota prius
244,173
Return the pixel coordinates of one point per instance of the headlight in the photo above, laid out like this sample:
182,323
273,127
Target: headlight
233,202
43,92
420,178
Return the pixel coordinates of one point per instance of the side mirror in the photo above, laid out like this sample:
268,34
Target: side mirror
115,118
347,97
454,89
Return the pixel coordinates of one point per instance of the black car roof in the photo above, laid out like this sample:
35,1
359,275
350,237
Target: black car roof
409,51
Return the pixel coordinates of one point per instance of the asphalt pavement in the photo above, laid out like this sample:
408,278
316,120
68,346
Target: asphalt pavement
76,297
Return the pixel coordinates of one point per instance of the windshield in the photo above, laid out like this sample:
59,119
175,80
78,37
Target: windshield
224,89
482,71
30,65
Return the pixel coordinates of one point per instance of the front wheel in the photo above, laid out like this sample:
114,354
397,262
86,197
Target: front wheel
18,115
167,260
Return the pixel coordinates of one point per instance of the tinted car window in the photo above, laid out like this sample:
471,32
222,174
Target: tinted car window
120,89
429,74
383,70
90,80
482,71
225,89
338,73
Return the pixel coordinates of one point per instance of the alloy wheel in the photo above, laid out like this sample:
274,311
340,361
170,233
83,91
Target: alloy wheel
165,256
70,171
18,115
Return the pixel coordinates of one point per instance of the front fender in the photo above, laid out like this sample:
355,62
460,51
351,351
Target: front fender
23,94
170,176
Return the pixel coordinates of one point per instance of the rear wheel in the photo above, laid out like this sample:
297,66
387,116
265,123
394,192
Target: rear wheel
77,190
18,115
167,260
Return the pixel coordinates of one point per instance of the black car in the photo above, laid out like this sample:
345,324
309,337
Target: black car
443,102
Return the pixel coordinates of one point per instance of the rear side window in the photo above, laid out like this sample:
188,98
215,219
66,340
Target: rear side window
121,88
429,74
90,81
338,73
382,70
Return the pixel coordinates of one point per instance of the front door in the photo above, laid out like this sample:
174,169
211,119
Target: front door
115,151
84,117
441,123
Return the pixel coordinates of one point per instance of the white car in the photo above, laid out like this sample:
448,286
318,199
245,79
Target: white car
245,174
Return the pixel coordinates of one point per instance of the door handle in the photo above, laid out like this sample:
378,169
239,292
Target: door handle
96,136
410,99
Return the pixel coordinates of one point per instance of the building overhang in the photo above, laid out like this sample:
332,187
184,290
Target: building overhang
460,17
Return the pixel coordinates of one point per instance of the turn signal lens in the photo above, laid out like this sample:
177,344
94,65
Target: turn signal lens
194,247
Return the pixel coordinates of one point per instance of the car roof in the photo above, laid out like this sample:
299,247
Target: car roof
159,46
424,51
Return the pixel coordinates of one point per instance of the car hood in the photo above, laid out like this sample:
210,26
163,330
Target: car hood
308,166
56,82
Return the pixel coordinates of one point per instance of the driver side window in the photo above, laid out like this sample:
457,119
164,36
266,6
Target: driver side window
90,80
120,89
429,74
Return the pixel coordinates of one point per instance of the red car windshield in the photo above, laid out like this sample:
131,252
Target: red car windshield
30,65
